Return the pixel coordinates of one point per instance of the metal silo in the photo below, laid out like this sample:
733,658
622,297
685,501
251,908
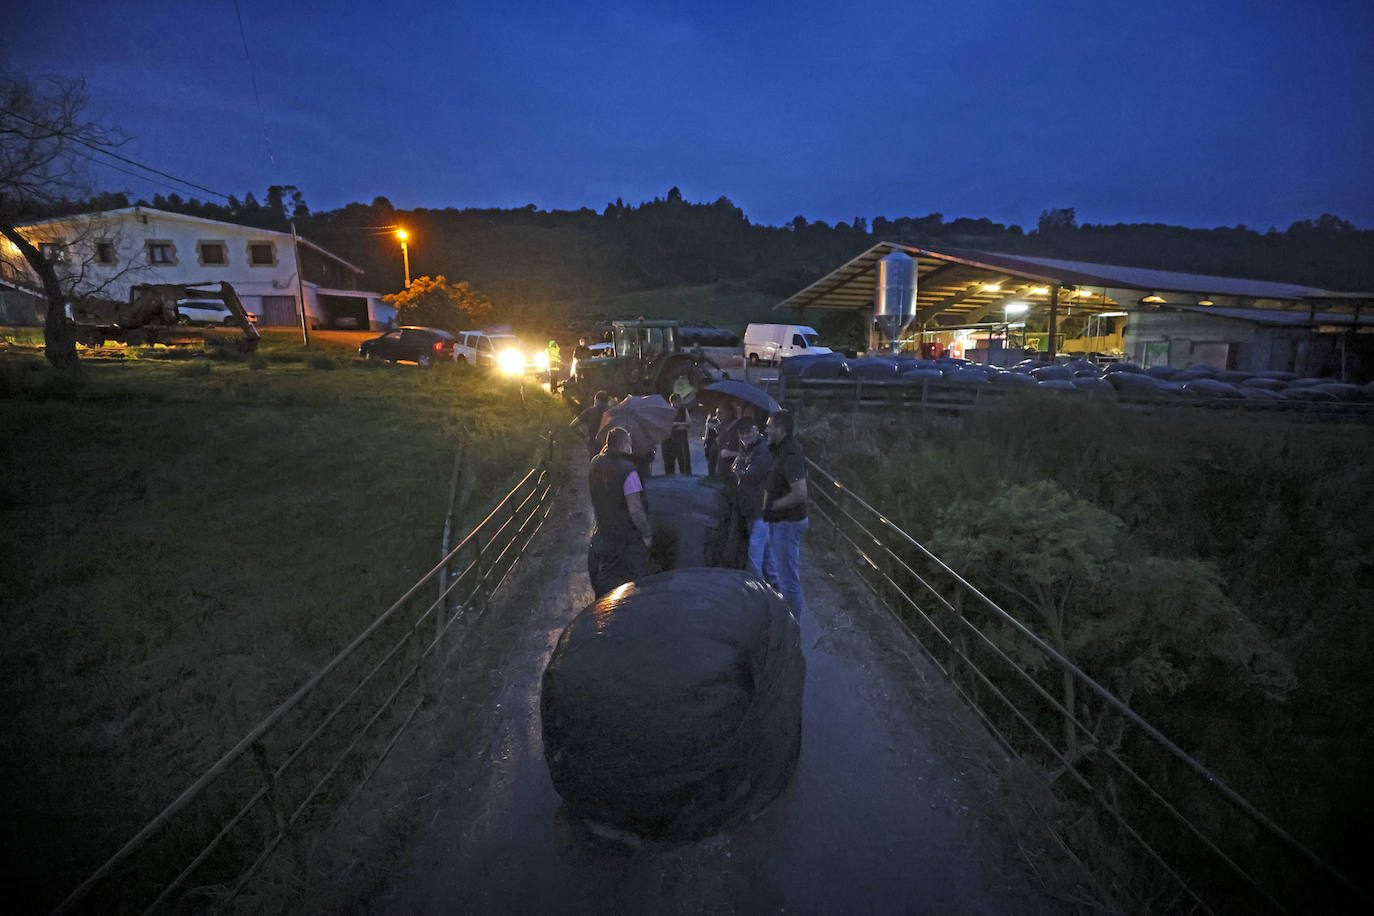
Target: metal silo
894,296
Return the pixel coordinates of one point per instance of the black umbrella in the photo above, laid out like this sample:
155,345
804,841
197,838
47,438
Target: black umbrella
647,418
718,393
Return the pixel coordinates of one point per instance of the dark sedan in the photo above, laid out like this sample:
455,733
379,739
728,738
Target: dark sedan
423,346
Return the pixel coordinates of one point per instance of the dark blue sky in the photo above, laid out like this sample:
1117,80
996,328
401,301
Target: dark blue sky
1194,112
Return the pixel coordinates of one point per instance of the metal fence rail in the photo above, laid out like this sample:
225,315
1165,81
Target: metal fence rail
1202,845
926,395
317,749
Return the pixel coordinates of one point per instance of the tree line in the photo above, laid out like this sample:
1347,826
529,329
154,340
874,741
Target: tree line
528,255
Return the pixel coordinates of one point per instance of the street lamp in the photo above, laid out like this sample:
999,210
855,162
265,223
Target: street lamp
405,253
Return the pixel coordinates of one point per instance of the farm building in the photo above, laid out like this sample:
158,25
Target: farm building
272,271
994,307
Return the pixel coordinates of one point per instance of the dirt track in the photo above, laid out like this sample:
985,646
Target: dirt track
895,806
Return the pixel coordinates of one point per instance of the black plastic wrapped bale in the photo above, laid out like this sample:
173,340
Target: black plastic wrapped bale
694,522
672,706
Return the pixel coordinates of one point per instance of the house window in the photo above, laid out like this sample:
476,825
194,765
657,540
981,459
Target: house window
53,252
213,254
160,251
262,254
105,253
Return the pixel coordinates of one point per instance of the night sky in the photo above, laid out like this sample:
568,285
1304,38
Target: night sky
1178,111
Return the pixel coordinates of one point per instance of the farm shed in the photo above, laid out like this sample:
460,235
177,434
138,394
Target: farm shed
996,300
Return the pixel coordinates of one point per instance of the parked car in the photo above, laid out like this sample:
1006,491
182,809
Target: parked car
209,311
496,350
423,346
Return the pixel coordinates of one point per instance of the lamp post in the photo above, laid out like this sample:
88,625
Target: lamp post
405,253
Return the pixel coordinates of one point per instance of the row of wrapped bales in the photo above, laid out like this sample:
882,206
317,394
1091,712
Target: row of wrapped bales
1125,379
672,706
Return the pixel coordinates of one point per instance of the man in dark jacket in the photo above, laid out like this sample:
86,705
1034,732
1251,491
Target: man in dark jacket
619,549
751,469
784,507
589,420
676,450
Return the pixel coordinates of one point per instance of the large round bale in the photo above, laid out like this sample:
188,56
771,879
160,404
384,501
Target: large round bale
1013,379
672,706
1207,387
1052,373
692,519
873,367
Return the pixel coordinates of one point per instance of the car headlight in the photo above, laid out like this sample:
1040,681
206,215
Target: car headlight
541,360
511,362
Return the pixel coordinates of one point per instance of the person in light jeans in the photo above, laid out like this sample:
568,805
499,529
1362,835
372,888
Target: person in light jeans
751,469
784,507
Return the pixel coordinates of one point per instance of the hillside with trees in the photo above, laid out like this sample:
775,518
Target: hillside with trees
549,266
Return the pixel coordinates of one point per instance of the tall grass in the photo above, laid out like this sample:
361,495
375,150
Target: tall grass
1279,507
181,544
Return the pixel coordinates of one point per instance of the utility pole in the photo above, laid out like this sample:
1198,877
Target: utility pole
300,287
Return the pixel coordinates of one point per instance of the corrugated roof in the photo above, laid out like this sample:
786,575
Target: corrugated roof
1282,317
957,287
1152,280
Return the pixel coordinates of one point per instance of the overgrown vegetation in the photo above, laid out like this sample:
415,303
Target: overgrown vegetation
1213,571
182,542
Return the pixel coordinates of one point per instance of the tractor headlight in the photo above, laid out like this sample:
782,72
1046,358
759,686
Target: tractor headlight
511,362
541,360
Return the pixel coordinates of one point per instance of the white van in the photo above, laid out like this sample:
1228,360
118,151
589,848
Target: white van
771,343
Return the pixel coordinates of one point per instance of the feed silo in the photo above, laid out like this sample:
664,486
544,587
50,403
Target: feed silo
894,299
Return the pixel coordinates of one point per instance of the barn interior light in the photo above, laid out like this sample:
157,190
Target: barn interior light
1112,314
1205,302
992,287
1041,291
1153,299
1084,292
1016,308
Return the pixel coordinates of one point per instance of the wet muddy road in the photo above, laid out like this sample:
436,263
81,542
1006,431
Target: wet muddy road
893,808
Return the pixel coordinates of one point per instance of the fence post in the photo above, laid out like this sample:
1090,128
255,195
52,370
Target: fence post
274,801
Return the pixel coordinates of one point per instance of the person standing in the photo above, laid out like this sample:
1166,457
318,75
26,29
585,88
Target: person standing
676,450
710,439
619,548
784,507
729,438
589,420
751,471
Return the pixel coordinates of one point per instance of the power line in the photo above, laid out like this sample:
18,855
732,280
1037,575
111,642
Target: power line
253,76
113,155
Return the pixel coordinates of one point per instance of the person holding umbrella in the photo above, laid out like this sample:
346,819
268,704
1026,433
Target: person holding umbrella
784,506
648,418
751,470
619,548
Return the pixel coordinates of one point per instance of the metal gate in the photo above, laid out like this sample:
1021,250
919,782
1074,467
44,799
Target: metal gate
279,312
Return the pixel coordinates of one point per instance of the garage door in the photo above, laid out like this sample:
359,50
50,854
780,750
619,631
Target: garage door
279,312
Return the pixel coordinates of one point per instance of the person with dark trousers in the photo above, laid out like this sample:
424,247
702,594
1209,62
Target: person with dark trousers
751,471
729,439
619,548
710,439
784,506
589,420
676,450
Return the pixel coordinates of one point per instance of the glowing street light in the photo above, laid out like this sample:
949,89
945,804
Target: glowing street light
405,253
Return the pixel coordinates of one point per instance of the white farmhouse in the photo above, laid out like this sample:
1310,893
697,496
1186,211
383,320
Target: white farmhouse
271,271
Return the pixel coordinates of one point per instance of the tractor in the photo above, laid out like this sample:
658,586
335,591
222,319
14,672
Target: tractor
646,359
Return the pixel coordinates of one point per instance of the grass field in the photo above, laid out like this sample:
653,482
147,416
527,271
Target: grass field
184,540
